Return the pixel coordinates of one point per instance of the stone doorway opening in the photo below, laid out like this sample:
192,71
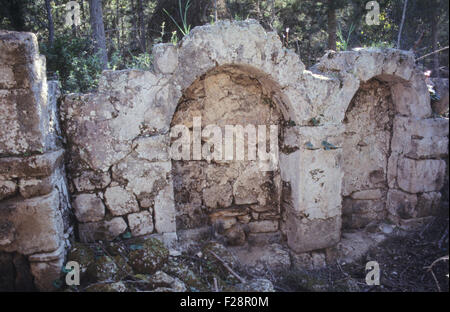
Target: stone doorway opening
366,149
236,199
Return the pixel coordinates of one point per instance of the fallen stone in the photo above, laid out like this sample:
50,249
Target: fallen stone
256,285
150,257
163,282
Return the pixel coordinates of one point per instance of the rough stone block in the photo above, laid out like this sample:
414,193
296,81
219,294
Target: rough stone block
263,226
310,234
412,99
17,47
218,196
48,256
401,205
315,178
7,80
428,204
164,209
417,176
392,170
154,148
7,189
140,223
261,239
41,165
88,208
165,58
120,202
102,230
21,129
429,147
32,225
359,213
45,273
426,138
91,180
247,189
38,187
143,177
368,194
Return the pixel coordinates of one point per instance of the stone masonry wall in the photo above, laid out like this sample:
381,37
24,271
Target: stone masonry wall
358,143
366,151
34,202
394,146
120,172
235,196
345,120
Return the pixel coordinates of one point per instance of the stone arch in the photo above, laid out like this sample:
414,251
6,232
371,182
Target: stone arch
395,67
311,219
410,143
118,164
240,199
366,145
107,158
243,44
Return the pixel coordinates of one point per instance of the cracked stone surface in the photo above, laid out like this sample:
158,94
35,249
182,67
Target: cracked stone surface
358,142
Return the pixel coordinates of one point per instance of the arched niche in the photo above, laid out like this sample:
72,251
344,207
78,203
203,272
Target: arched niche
239,199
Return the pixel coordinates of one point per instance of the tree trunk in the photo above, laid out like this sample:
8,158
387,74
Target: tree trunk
134,33
51,26
16,12
331,14
215,10
118,18
434,35
401,24
141,22
98,30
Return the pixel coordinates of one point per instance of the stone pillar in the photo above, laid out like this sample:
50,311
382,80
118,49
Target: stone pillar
33,194
417,168
311,171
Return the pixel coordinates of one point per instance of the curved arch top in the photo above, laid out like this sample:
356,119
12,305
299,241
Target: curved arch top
243,44
325,91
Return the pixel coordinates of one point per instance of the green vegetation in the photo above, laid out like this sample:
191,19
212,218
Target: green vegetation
185,28
131,28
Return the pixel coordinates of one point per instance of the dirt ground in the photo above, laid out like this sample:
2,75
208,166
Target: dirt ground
403,264
409,262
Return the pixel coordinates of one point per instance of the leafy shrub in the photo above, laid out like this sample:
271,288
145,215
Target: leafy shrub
72,60
141,61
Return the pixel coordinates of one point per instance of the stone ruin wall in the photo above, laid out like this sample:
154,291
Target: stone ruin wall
34,200
378,183
236,197
358,143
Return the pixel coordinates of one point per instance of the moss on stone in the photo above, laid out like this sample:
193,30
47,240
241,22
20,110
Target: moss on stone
148,256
